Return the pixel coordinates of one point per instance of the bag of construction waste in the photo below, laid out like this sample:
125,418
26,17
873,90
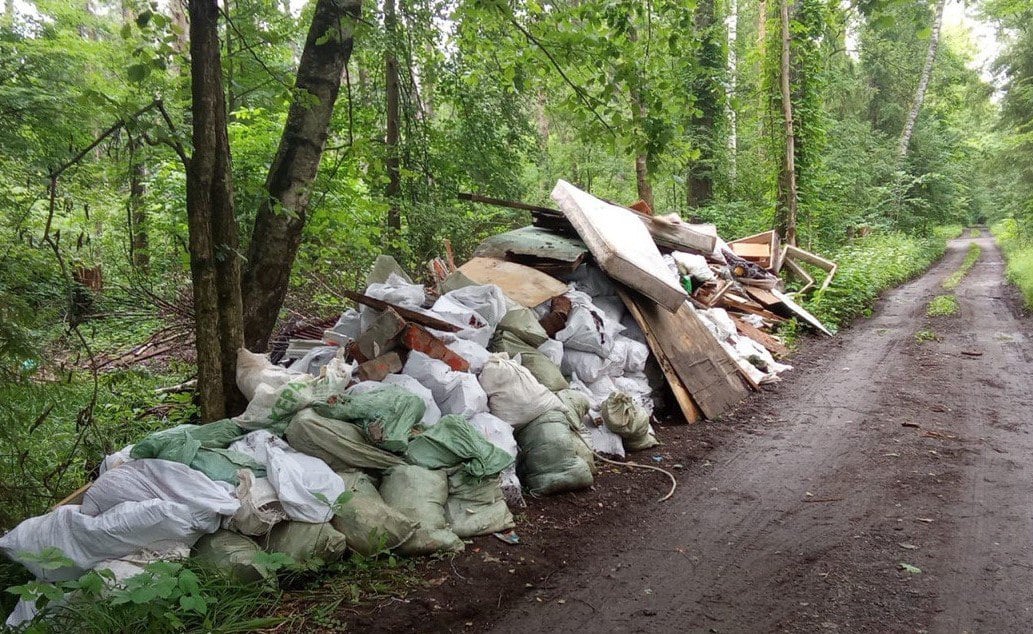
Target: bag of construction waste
431,413
305,485
259,510
315,360
474,353
597,391
386,414
348,328
420,494
87,540
576,408
273,409
339,444
256,369
602,440
233,555
553,350
636,385
201,447
523,323
473,306
591,280
514,395
368,523
587,366
454,442
588,328
150,479
544,370
500,433
476,506
628,420
693,266
304,542
399,291
454,392
548,461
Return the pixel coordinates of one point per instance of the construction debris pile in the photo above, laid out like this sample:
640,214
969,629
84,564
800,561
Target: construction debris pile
422,416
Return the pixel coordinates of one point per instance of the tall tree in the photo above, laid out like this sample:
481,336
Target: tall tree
137,209
391,160
282,213
214,259
709,90
923,81
788,199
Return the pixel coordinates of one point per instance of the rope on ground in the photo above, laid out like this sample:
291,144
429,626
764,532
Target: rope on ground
635,465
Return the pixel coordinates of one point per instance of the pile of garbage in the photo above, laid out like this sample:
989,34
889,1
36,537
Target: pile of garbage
419,419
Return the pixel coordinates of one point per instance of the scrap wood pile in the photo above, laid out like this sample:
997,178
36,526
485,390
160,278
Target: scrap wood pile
423,415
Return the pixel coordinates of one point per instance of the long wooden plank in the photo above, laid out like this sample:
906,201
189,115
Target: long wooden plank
769,342
801,312
523,284
405,313
669,231
621,244
688,407
709,374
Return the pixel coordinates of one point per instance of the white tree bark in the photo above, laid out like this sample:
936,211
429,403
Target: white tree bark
923,82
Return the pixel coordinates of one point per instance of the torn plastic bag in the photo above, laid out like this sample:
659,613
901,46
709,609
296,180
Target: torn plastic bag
625,418
315,359
455,442
548,461
431,413
514,395
304,541
385,414
500,433
545,371
602,440
304,484
88,540
259,510
274,409
553,350
117,459
636,356
636,385
256,369
396,290
349,325
201,447
151,479
596,391
369,524
233,555
420,495
476,507
454,392
339,444
588,328
693,266
611,306
523,323
473,306
587,366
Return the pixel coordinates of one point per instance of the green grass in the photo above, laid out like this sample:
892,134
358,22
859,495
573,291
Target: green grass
872,264
974,233
926,335
955,278
942,306
1018,251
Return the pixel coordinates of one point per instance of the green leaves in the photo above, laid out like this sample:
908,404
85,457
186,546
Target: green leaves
138,72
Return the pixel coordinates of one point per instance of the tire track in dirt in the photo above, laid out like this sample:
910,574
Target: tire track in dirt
799,522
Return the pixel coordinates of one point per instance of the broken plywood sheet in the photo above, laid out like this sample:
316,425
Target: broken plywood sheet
524,285
621,245
702,365
801,312
547,251
671,232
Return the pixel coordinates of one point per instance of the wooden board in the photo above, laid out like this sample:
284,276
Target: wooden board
669,231
405,313
799,272
805,256
620,244
706,370
774,346
541,249
730,301
524,285
799,311
749,250
762,296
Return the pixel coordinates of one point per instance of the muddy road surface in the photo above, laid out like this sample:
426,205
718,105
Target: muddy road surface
886,485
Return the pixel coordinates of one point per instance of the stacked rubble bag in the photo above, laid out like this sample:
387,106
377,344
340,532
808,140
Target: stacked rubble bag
414,462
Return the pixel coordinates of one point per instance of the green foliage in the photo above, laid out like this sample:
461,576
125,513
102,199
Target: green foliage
868,266
971,255
925,335
1018,251
942,306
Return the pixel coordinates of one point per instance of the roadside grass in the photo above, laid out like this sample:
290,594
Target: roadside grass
925,335
955,278
974,233
872,264
942,306
1018,251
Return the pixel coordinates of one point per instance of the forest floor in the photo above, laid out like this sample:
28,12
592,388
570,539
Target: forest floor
884,447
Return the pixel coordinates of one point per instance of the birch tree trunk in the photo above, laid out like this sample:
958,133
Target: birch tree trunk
923,82
281,216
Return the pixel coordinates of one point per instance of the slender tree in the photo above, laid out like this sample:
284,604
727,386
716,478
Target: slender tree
923,81
391,161
281,216
788,201
709,90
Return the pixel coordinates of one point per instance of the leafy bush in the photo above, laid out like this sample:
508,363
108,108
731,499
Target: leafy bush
942,306
869,266
1018,251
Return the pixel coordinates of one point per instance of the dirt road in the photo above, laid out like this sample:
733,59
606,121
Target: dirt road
797,513
879,451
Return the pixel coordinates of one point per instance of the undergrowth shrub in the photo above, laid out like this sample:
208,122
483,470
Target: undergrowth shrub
1018,252
870,265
